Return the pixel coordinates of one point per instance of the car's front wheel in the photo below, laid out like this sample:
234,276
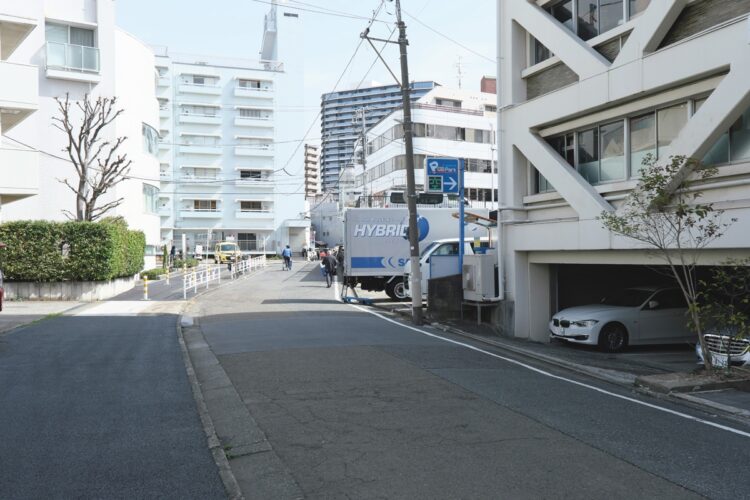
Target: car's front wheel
613,338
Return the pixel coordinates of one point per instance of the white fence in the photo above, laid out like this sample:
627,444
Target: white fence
202,277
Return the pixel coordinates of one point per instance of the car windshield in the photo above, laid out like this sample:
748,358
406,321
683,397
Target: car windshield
228,248
630,297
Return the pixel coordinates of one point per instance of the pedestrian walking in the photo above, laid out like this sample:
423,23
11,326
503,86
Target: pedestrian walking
328,267
172,252
304,253
287,255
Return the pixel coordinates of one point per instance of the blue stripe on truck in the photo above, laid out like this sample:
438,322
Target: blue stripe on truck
368,263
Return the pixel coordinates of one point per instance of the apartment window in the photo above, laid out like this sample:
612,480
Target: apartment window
451,103
150,140
670,122
541,184
201,80
490,108
254,143
612,154
163,103
204,205
563,12
251,206
635,7
251,175
719,153
71,48
541,53
739,138
588,155
248,84
201,140
191,109
150,199
250,113
203,173
642,141
565,147
247,241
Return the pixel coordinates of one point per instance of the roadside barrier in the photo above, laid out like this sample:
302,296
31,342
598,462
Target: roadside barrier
204,275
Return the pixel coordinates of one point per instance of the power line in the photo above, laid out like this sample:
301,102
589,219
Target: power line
449,38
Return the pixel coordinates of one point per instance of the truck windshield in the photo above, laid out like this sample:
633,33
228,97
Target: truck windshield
428,249
228,248
630,297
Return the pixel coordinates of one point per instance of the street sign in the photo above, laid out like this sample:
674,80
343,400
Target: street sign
442,175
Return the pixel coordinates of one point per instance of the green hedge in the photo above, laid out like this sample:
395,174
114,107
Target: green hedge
96,251
179,263
153,274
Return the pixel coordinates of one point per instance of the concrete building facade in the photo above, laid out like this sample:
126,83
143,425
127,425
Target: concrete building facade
588,88
312,171
229,163
448,123
339,129
50,49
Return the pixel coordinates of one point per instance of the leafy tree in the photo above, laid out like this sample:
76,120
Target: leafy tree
98,165
725,303
672,221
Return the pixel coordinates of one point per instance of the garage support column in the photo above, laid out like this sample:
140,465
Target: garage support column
539,302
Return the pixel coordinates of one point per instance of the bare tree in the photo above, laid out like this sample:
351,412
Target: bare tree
673,223
98,165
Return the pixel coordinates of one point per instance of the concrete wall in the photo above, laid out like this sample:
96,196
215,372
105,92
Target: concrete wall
83,291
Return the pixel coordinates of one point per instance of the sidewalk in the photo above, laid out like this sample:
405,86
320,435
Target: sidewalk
630,368
21,313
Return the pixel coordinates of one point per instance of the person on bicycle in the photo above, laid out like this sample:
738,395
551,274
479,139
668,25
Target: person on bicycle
329,269
287,254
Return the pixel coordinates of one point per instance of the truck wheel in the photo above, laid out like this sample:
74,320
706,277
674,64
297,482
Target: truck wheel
396,291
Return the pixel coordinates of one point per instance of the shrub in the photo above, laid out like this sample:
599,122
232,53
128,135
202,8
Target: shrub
70,251
179,263
153,274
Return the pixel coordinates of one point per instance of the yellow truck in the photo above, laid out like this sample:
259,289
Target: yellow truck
227,251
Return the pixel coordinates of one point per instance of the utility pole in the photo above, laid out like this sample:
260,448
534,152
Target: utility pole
416,275
415,284
361,114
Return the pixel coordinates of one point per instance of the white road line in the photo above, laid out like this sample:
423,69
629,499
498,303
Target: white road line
558,377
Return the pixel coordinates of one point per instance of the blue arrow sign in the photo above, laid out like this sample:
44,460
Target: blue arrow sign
442,175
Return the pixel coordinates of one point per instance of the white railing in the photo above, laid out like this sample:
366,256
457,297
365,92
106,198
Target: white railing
202,277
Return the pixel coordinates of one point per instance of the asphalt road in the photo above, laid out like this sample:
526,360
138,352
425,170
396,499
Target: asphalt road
100,407
356,406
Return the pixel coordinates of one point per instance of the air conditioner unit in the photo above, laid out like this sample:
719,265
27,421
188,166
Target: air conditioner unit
479,277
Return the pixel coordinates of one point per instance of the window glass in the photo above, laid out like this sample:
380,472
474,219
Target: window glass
150,199
588,155
447,249
612,151
740,138
610,14
563,12
642,141
81,36
250,206
250,113
588,15
670,299
150,140
669,124
541,53
56,33
719,153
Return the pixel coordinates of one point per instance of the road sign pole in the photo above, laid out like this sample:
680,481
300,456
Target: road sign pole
461,219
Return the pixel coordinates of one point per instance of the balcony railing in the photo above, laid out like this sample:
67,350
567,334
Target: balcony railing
71,57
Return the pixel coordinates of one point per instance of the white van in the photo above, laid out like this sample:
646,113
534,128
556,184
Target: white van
440,248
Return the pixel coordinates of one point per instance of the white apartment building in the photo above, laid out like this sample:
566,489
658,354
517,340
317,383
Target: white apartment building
312,171
448,123
228,147
588,88
50,49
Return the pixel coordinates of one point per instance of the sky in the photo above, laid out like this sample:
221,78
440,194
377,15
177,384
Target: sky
233,28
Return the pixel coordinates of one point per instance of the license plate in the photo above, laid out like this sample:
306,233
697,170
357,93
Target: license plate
719,361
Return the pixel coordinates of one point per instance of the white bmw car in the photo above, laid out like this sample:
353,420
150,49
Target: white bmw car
642,315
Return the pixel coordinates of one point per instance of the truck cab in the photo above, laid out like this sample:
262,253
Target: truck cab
441,248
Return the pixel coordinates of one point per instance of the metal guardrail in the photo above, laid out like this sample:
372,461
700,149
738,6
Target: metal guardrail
202,277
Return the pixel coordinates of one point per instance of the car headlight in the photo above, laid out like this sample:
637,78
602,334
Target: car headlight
586,323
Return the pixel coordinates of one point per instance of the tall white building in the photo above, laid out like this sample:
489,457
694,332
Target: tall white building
232,164
588,88
49,49
448,123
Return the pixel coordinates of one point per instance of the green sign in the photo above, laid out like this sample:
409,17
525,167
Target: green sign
434,184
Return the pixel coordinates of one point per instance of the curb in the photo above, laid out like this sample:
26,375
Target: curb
44,318
214,444
622,379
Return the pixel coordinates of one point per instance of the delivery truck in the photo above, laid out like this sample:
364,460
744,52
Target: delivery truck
376,242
